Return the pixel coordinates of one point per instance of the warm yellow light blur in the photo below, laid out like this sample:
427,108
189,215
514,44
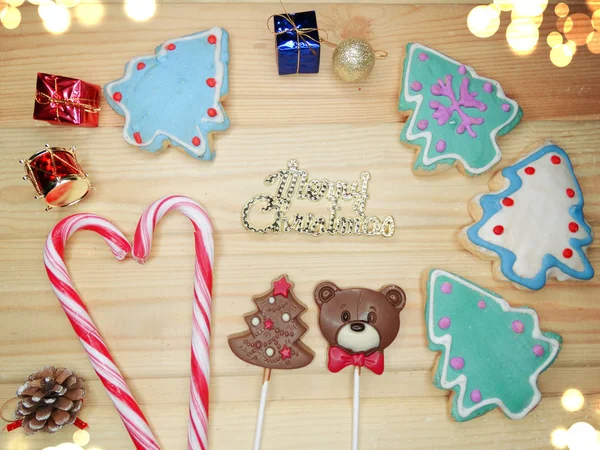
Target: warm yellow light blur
68,3
559,438
89,12
68,446
47,10
561,10
582,436
140,10
570,48
529,8
522,35
81,437
593,5
572,399
561,56
594,43
16,3
3,8
483,21
58,20
11,18
504,5
581,27
554,39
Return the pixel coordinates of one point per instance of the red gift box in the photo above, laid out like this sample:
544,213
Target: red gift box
66,101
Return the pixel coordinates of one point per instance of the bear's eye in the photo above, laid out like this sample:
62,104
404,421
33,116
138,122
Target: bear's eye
372,318
345,316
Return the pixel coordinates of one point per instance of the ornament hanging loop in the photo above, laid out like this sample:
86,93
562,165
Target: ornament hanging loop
3,408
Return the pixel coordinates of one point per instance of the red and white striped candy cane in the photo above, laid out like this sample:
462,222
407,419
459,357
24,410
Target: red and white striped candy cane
201,310
97,351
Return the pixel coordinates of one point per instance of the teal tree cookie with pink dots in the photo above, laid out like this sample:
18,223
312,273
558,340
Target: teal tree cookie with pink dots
490,353
457,115
174,96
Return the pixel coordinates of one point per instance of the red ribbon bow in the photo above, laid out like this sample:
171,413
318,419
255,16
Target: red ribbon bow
340,358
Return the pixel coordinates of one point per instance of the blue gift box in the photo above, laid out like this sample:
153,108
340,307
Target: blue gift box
298,45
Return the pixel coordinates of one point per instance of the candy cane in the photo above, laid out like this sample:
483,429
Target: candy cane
97,351
201,310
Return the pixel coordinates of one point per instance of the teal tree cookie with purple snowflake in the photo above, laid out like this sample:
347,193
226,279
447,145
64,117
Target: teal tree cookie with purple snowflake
490,353
174,96
457,115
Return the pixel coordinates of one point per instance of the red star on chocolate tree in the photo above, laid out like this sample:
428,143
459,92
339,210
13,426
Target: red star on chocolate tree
269,324
281,287
286,352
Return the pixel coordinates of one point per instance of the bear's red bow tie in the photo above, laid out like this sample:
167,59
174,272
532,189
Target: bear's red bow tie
340,358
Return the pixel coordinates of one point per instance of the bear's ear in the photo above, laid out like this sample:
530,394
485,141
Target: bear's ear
325,292
395,295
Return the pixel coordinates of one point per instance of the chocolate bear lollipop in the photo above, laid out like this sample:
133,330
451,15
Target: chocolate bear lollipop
273,338
358,324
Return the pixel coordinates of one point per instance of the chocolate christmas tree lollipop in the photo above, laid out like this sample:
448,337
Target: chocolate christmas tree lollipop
273,338
358,324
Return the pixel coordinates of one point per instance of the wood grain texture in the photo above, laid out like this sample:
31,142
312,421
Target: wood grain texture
334,130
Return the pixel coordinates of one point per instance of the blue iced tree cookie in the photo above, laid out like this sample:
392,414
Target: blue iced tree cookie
457,115
174,96
491,354
532,225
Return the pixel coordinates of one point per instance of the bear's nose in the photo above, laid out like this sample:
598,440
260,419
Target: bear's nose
358,327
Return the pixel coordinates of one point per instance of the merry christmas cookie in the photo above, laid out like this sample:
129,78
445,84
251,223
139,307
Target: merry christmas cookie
532,225
456,115
490,353
174,96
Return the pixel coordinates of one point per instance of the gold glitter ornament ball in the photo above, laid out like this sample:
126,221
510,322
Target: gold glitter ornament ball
353,60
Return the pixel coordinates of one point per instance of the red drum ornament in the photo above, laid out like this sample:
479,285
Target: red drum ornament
57,176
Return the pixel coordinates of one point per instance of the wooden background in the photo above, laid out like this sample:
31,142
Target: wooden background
335,130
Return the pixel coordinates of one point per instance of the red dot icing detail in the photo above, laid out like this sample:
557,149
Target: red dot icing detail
212,39
171,47
211,82
573,227
212,112
570,193
140,66
196,141
117,96
498,230
138,137
529,170
555,159
567,253
508,201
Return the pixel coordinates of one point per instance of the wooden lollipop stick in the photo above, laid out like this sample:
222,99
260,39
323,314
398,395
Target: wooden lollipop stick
356,409
261,408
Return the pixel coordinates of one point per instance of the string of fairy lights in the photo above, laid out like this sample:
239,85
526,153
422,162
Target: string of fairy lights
573,31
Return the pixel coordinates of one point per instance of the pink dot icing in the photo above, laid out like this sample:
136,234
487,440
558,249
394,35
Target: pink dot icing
440,146
505,107
462,70
482,304
416,86
446,287
487,87
422,124
444,323
423,56
518,327
538,350
476,395
457,363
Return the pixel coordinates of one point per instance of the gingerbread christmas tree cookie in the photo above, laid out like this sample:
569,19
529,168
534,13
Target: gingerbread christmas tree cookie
490,353
456,115
532,225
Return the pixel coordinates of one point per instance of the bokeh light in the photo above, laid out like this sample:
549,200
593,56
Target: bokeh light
81,437
522,35
570,48
559,438
596,19
57,19
68,446
554,39
594,44
561,10
582,436
89,12
504,5
68,3
572,399
561,56
529,8
16,3
140,10
483,21
581,28
11,17
3,8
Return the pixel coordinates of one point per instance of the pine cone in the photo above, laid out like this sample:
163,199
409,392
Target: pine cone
50,399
